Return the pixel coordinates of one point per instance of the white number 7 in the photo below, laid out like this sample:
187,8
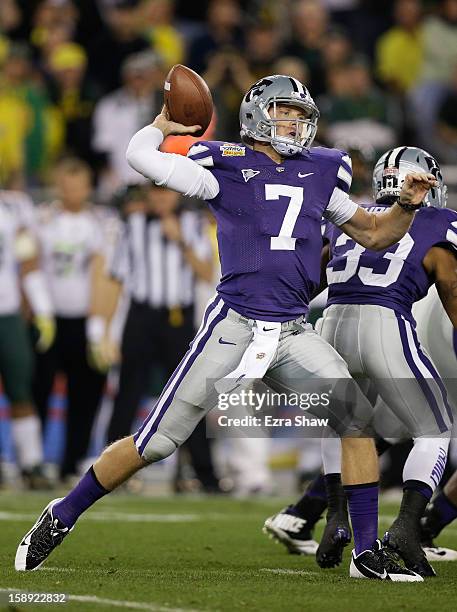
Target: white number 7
284,241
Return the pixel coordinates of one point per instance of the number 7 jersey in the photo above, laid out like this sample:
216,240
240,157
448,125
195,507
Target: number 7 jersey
268,218
394,278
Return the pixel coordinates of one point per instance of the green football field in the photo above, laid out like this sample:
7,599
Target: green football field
138,553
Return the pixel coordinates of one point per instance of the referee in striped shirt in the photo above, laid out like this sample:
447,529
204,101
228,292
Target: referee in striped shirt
162,251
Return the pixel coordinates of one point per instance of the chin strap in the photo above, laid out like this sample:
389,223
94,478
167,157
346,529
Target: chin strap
286,149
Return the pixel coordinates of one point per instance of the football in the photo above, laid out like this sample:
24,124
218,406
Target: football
188,98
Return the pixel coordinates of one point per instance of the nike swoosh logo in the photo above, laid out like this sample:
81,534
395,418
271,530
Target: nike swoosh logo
221,341
300,175
269,329
382,576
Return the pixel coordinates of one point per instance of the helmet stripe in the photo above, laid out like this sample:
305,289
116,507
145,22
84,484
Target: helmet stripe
398,157
294,84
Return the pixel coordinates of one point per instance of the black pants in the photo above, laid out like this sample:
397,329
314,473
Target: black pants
149,338
85,387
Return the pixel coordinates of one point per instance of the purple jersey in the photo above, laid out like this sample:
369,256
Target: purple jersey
269,224
394,278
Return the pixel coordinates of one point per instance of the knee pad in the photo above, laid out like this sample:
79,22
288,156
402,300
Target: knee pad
158,447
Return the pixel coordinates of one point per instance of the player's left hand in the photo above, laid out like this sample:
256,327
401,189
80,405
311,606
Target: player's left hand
415,187
46,327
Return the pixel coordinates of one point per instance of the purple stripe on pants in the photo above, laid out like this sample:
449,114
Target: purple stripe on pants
178,381
429,365
426,390
208,310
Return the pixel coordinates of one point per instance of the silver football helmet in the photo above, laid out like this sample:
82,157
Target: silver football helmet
257,124
392,167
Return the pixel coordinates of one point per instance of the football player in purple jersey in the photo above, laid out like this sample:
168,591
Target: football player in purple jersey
268,195
369,321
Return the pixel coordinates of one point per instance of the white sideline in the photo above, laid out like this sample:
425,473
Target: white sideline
288,572
115,603
129,517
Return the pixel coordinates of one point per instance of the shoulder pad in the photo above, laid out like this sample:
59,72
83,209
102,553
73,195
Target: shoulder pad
440,224
337,161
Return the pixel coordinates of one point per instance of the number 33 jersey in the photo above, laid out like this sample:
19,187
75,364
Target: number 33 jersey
394,278
268,218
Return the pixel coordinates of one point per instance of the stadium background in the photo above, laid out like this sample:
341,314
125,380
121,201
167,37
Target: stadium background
382,73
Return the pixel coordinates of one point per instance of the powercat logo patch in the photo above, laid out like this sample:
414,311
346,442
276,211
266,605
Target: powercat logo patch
232,150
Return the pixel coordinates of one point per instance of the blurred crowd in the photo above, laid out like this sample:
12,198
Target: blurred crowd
81,77
77,79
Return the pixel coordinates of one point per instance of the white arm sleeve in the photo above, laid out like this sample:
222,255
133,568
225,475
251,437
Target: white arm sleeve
340,207
168,169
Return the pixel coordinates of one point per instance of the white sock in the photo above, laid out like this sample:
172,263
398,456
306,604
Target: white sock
426,461
27,440
331,455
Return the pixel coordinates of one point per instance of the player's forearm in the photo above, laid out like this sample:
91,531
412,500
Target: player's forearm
105,291
168,169
389,228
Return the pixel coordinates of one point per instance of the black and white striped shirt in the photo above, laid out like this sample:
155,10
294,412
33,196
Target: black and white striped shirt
152,268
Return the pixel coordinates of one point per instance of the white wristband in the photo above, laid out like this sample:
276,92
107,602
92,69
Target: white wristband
95,328
37,293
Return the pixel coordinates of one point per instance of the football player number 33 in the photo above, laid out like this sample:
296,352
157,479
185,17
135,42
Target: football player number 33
285,242
366,275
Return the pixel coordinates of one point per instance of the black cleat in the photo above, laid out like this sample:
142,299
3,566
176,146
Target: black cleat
431,525
36,546
404,539
292,531
336,536
380,564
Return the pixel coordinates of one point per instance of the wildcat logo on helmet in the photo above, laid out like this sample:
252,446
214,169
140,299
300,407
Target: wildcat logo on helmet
232,150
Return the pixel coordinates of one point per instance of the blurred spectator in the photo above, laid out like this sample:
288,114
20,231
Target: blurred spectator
120,38
10,16
19,272
440,43
157,17
337,51
14,128
223,33
122,113
309,27
19,82
440,57
263,47
75,97
399,52
292,66
446,136
53,22
72,249
354,107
